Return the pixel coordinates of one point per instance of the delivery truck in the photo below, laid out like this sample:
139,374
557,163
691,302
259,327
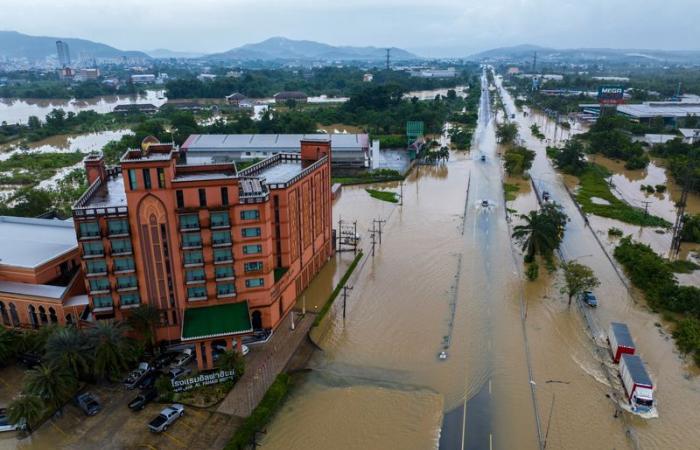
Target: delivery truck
620,341
638,385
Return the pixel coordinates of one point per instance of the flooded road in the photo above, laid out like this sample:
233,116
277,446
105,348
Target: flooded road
440,281
583,416
14,110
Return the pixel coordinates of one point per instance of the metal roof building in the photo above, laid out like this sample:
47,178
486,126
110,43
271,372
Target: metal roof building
29,243
667,110
348,150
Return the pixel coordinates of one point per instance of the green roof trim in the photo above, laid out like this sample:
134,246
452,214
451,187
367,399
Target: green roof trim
215,321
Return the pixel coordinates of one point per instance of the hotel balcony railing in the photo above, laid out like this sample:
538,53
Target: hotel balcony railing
223,260
225,294
221,243
220,224
189,226
196,280
191,245
130,305
127,287
118,232
122,251
100,290
197,298
194,263
89,235
93,254
96,274
225,277
103,309
123,270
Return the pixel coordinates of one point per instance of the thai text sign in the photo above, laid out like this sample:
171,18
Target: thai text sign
204,379
611,95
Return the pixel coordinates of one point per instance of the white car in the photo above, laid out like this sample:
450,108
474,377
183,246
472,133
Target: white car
5,424
166,417
219,348
183,358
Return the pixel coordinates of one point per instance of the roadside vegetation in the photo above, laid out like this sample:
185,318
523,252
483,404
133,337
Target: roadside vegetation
535,130
510,191
653,275
578,278
329,303
540,235
386,196
374,176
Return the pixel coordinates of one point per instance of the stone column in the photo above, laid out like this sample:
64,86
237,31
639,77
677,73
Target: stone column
198,355
239,345
209,355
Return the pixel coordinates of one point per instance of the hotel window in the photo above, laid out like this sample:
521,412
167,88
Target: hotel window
89,229
250,214
96,266
220,237
254,282
132,180
129,299
121,246
195,275
251,232
147,178
222,254
224,196
121,264
202,197
189,222
191,240
194,257
118,227
196,293
223,272
102,301
225,289
180,198
161,177
252,249
219,219
126,282
93,249
253,266
99,284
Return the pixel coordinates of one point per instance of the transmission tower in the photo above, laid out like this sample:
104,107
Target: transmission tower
534,63
388,58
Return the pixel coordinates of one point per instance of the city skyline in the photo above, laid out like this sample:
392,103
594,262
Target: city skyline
454,28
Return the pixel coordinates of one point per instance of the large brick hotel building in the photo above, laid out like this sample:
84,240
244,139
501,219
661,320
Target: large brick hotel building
219,253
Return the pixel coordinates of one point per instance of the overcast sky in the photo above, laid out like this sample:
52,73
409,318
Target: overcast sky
427,27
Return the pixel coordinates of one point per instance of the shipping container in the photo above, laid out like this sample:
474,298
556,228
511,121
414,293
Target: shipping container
637,383
620,341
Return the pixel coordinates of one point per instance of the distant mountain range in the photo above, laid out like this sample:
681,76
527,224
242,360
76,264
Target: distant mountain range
526,52
18,45
164,53
283,49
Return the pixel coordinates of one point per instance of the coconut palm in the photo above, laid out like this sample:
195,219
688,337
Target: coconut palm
542,231
26,407
112,351
8,344
144,320
68,347
52,383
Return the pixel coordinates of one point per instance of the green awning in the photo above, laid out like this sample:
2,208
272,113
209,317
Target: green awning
215,321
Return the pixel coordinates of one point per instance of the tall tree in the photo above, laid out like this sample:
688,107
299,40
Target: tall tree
26,407
52,383
144,321
578,278
112,352
542,232
8,345
67,347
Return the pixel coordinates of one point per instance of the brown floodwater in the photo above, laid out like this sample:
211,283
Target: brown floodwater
65,143
677,381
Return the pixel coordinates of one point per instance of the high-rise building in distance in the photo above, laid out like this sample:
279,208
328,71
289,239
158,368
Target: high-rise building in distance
63,53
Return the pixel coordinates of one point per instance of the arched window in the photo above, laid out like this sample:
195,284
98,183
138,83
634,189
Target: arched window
14,315
33,320
257,320
69,319
42,316
3,313
52,315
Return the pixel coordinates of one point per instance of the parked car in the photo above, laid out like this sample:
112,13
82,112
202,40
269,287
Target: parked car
166,417
164,360
183,358
589,298
5,424
220,348
144,398
179,372
134,378
88,403
149,380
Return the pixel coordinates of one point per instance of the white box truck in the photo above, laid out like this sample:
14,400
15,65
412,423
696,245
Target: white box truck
638,385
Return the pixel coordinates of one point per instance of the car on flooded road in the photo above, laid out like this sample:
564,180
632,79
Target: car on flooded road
166,417
589,298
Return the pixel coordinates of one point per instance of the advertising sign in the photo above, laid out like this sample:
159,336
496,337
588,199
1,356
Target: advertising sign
611,95
204,379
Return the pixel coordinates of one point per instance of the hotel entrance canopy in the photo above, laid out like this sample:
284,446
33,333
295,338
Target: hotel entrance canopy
216,321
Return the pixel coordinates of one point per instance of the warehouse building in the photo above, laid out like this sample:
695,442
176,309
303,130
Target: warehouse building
671,112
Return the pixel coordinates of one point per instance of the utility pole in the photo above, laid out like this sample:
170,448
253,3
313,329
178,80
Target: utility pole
388,58
401,194
689,170
534,63
345,298
646,208
373,234
380,222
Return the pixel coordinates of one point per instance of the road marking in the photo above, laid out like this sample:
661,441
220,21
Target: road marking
188,426
58,428
149,446
490,441
464,423
174,439
489,386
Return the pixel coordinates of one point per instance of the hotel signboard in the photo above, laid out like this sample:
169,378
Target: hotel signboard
203,379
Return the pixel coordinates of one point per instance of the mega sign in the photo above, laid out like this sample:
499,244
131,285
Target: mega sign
611,95
204,379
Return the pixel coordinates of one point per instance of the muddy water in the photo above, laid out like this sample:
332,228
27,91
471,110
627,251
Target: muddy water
436,284
13,110
583,400
66,143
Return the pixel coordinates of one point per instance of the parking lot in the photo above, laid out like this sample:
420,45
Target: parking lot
116,426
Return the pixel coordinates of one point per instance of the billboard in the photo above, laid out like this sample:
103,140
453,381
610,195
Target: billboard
611,95
200,380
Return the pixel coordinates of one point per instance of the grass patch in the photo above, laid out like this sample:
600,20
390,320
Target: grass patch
593,184
336,291
30,168
375,176
387,196
510,190
261,415
683,266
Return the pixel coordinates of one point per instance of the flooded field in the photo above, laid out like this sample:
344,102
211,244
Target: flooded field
13,110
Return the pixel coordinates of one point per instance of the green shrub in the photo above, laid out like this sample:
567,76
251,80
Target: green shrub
660,188
533,271
616,232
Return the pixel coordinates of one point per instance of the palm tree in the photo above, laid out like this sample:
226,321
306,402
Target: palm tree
542,232
8,345
232,360
52,383
112,352
69,348
26,407
144,320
